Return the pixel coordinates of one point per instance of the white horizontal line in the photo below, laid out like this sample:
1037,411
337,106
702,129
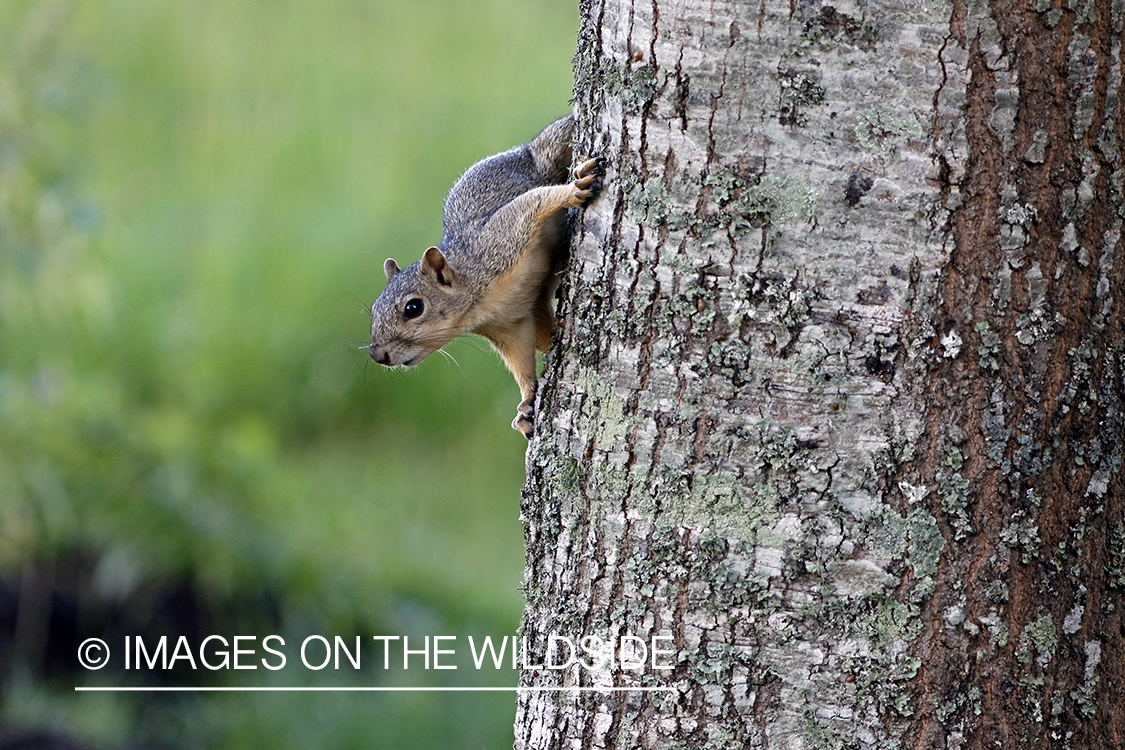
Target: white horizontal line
576,689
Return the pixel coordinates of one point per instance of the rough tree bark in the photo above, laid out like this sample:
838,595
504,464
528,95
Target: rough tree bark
838,401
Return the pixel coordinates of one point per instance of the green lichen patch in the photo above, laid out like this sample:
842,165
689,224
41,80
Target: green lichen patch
647,202
633,86
926,544
989,349
914,538
887,621
881,129
746,203
605,407
954,489
1038,639
778,200
799,91
1077,391
731,359
1022,534
886,534
719,502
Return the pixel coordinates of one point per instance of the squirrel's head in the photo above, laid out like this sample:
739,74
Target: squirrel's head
418,312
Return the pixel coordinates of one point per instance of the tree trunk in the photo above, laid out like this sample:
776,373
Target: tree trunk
838,399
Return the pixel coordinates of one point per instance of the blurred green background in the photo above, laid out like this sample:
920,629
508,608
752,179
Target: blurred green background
196,199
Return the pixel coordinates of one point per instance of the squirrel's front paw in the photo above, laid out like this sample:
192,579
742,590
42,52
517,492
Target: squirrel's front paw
525,418
588,179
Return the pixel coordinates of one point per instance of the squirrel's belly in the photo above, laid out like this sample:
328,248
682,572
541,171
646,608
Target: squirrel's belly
511,297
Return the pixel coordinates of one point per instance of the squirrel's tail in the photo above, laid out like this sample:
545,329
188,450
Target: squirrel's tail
551,150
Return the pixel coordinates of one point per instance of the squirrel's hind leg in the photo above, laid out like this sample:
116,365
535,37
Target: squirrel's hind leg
516,346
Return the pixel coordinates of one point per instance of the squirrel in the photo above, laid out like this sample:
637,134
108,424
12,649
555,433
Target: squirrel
496,269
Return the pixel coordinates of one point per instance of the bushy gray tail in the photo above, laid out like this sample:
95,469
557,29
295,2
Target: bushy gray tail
551,150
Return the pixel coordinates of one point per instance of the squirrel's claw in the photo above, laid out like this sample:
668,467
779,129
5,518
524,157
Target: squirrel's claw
524,424
588,179
588,169
525,417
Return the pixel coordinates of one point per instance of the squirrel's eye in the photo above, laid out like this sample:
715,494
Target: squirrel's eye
413,308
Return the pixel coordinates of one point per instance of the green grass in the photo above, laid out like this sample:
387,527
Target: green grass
196,199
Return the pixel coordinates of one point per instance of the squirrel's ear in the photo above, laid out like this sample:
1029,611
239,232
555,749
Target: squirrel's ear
390,268
434,262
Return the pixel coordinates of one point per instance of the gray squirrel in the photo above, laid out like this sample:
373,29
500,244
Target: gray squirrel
494,273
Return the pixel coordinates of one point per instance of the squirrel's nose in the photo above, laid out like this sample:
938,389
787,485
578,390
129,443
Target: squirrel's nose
380,355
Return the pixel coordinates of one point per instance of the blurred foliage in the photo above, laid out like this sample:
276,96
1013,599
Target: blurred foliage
196,199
